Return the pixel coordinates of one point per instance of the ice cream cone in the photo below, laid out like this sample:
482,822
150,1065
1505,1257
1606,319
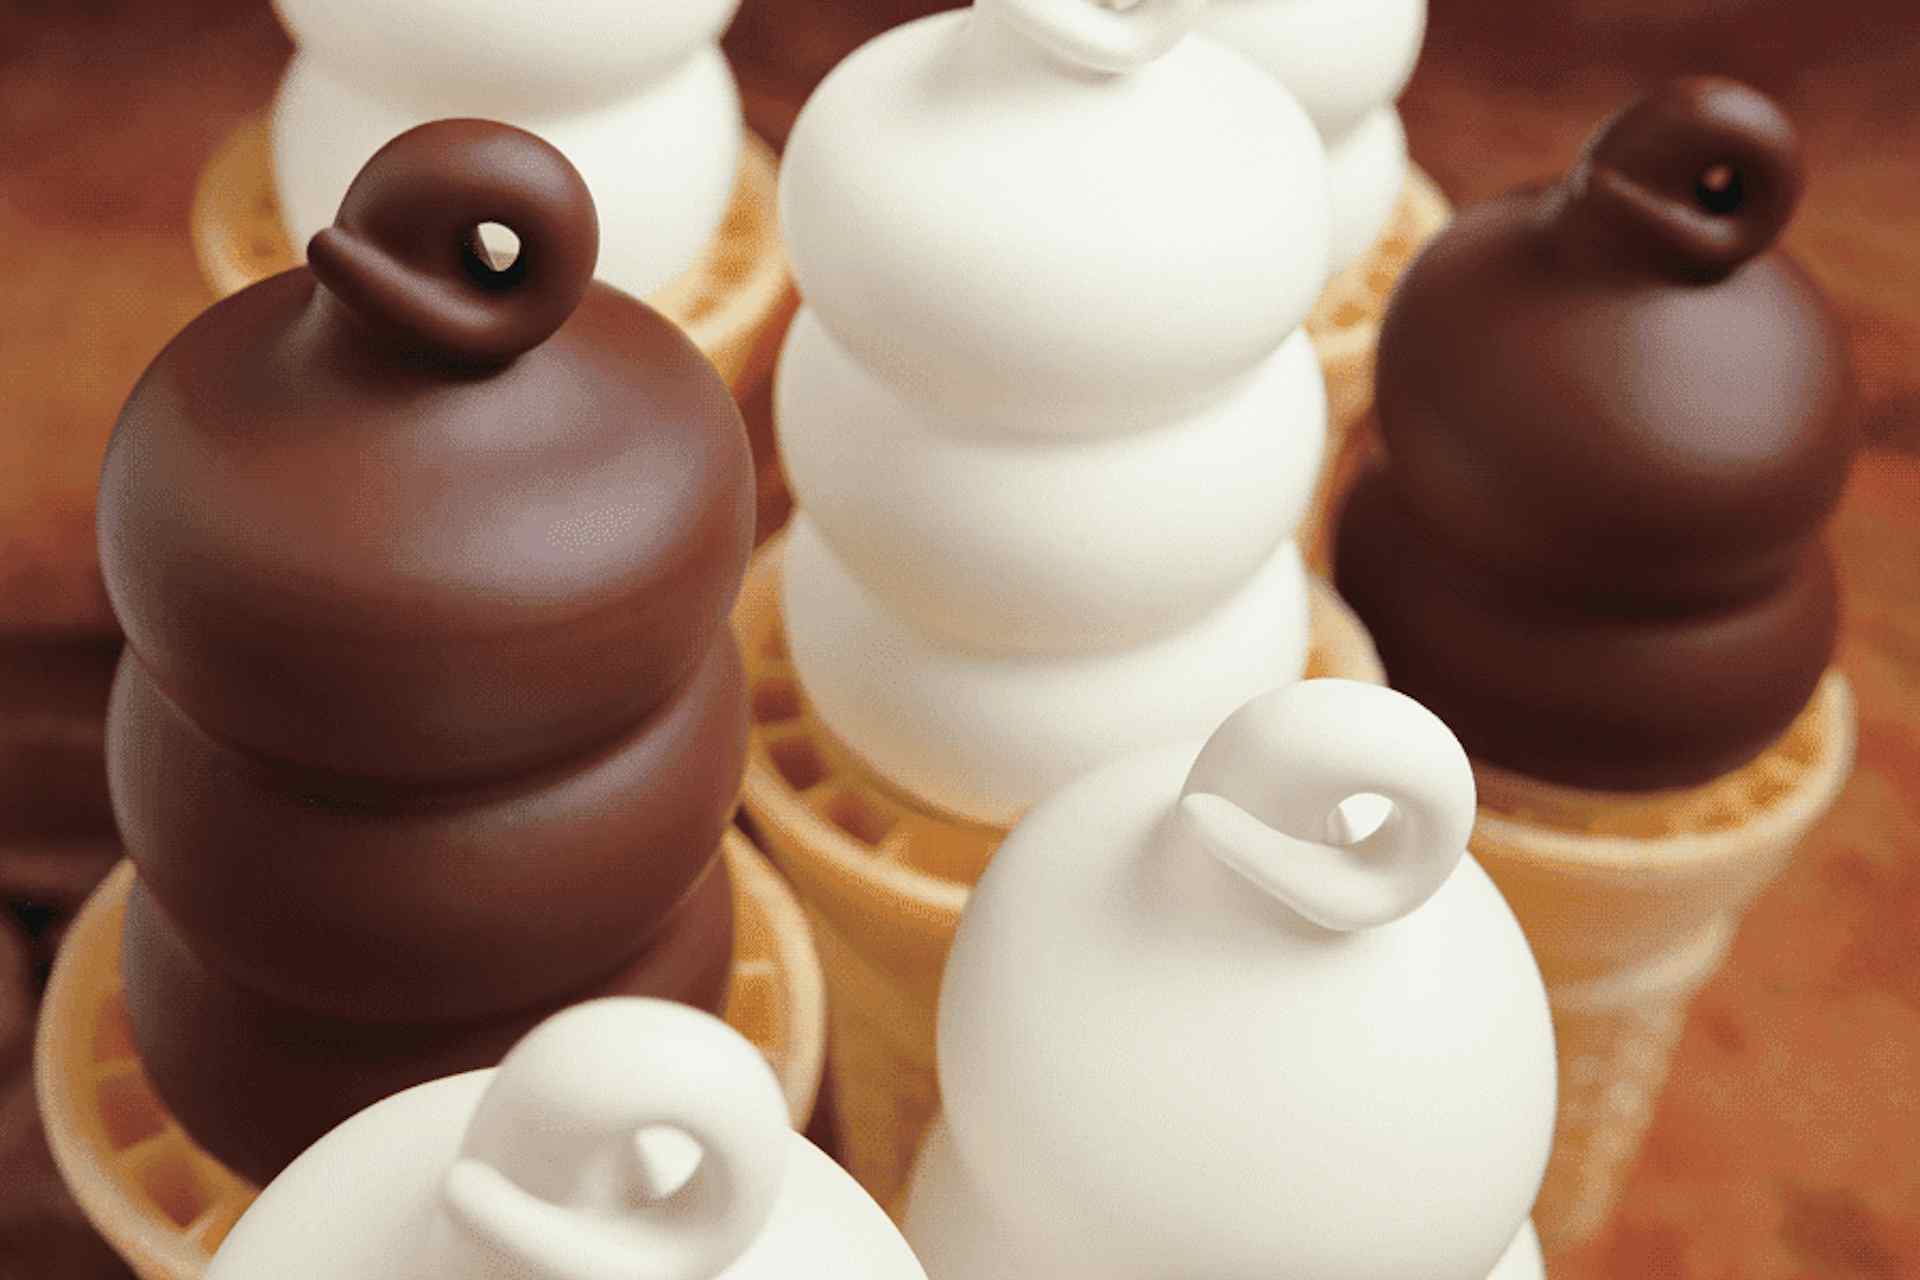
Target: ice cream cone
165,1205
1645,684
733,302
1629,902
884,879
1345,324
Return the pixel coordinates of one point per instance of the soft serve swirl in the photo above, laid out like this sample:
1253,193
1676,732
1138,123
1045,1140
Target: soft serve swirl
1048,411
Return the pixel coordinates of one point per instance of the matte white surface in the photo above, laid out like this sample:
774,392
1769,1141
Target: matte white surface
508,53
1346,61
1048,250
1048,413
552,1167
1153,1065
1367,166
963,1239
987,735
638,97
1011,544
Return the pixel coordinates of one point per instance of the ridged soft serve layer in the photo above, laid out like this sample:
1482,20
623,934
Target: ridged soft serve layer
1044,250
1013,544
986,735
1346,60
1048,412
638,97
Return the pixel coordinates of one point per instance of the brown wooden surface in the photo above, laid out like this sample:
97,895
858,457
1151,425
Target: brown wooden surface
1787,1147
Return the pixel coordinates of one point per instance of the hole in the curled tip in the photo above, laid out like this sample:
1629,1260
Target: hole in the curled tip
665,1159
493,254
1357,817
1720,190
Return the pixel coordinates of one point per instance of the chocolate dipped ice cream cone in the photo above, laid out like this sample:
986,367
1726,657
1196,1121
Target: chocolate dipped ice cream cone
1615,421
429,721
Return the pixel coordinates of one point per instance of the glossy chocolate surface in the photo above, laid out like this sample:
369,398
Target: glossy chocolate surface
256,1081
365,909
1616,422
429,720
355,536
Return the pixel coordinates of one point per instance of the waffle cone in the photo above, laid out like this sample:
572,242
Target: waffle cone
734,302
884,879
165,1205
1630,901
1345,323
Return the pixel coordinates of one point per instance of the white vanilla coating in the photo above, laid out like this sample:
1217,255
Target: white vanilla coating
1346,61
1036,248
964,1239
1009,545
642,102
514,55
1139,1008
1048,413
1367,169
560,1165
986,735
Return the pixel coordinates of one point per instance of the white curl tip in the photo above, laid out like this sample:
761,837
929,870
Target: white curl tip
1278,792
561,1175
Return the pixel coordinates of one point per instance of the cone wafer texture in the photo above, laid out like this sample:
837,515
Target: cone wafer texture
165,1204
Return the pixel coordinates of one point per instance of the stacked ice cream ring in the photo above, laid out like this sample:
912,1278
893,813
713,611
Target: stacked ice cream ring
1347,61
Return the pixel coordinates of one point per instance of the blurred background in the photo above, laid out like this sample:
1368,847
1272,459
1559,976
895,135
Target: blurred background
1787,1146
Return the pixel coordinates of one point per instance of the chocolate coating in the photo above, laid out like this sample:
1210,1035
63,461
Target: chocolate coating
1560,690
429,721
294,893
1616,423
256,1081
393,562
